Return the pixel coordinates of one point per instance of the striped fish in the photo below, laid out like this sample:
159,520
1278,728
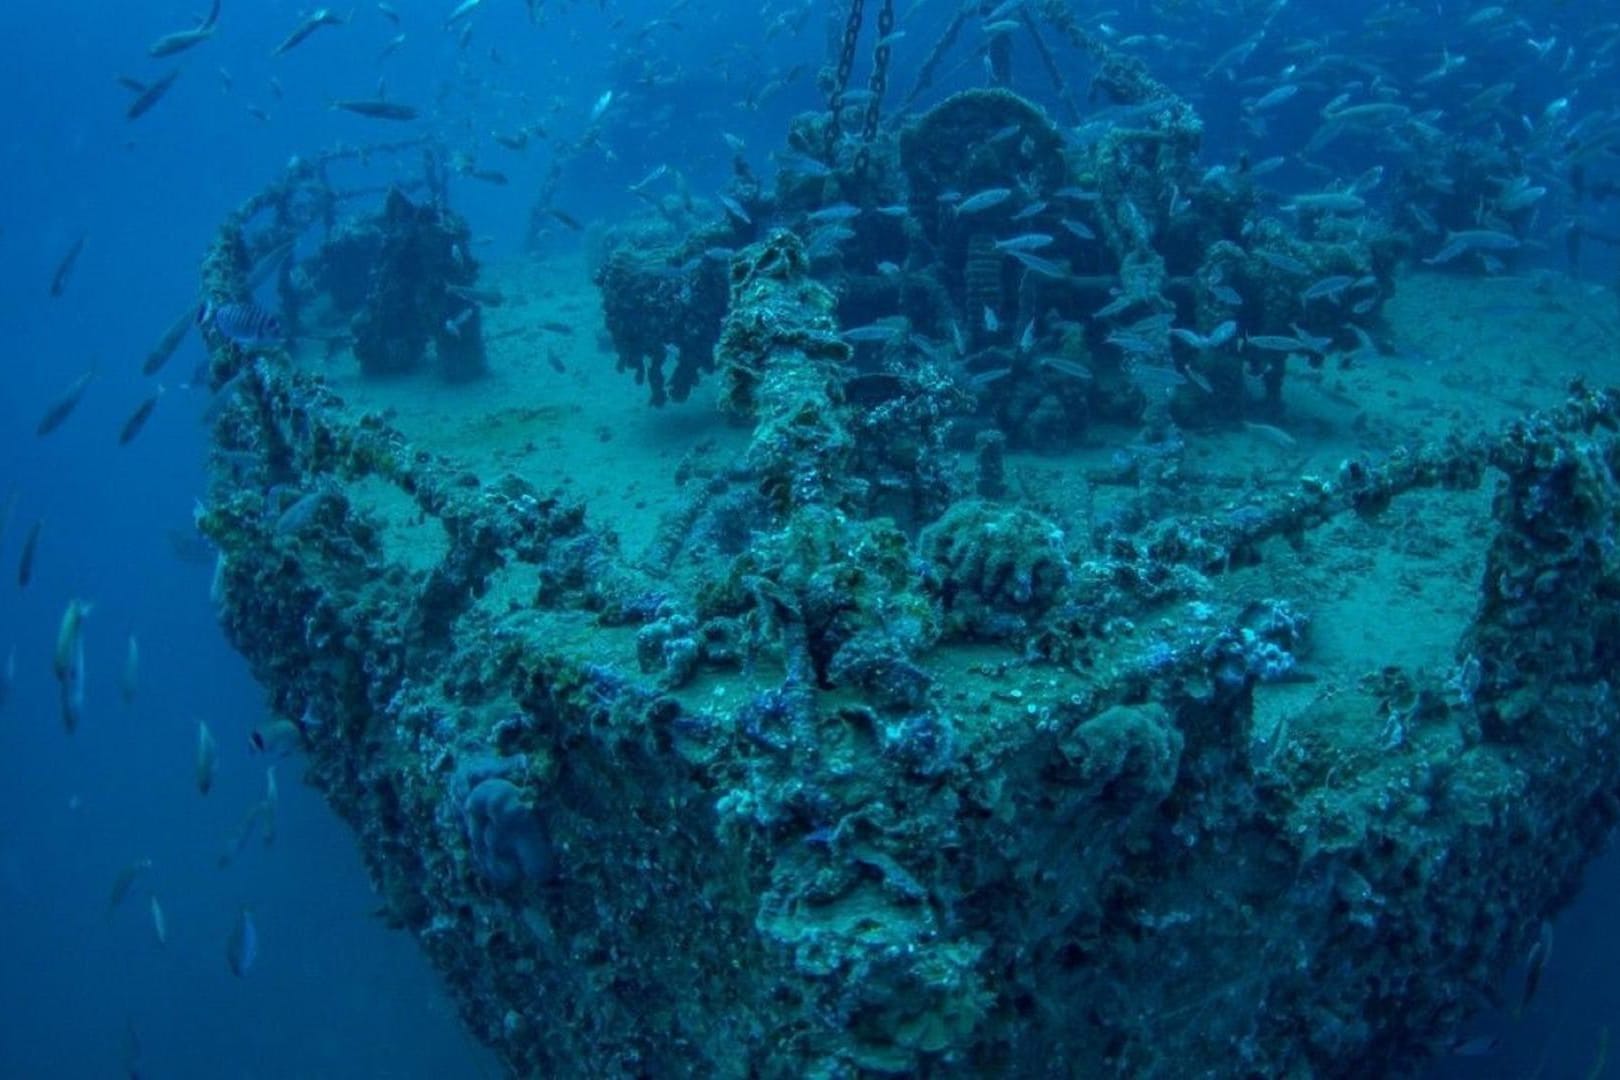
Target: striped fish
244,324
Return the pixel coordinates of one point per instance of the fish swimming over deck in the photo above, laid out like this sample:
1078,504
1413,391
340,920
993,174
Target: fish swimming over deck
246,324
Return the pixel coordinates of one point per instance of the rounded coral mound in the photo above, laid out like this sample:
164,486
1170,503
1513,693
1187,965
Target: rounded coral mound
997,569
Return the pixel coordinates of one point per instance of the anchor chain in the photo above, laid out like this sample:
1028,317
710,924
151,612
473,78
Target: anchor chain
878,83
846,64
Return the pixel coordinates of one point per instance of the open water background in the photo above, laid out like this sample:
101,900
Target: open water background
333,993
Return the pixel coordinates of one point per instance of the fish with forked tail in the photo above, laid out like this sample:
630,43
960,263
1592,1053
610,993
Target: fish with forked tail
181,40
317,19
147,94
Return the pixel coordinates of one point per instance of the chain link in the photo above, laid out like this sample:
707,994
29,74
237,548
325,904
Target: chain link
846,64
880,70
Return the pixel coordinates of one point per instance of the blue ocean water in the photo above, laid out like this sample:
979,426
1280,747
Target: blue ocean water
333,992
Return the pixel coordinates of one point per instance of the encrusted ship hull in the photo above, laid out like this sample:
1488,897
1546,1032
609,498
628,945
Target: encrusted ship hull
818,795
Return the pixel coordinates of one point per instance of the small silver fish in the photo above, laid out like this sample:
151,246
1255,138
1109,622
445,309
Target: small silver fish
1079,229
836,212
181,40
1276,436
242,947
63,407
1064,366
160,925
318,18
1535,962
1024,242
131,673
25,564
1329,288
878,331
207,758
124,882
462,10
8,675
983,200
1274,98
272,799
1026,340
1275,342
1032,261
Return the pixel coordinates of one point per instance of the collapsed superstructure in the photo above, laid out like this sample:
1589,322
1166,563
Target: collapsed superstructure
870,764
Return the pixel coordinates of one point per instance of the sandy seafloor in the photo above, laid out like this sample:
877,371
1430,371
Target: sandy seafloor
1457,354
1464,353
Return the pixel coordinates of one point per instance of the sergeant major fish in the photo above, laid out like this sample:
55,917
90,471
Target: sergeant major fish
245,324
